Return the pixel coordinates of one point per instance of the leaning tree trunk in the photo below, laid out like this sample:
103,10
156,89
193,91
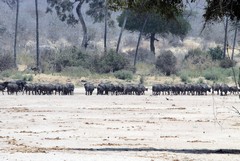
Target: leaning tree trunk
139,39
234,40
37,35
15,38
152,40
121,32
84,28
225,39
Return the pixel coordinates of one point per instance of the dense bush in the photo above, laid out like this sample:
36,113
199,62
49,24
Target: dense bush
111,62
71,57
184,78
227,63
216,53
166,62
123,74
213,76
6,62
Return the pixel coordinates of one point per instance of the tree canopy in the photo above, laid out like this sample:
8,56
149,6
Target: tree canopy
165,7
156,24
216,10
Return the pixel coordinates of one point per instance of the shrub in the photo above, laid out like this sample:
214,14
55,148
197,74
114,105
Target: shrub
123,74
6,62
166,62
71,57
111,62
28,78
211,76
216,53
200,80
184,78
197,60
227,63
193,53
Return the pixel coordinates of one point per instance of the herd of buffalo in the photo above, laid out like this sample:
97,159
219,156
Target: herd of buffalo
16,86
36,88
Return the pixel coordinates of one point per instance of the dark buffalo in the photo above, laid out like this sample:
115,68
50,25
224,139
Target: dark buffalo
89,88
224,89
119,89
216,88
3,86
105,88
12,88
29,88
58,88
68,89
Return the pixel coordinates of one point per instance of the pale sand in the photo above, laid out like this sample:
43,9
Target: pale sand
118,128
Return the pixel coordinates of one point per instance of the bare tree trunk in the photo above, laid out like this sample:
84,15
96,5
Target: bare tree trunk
16,32
225,39
139,39
37,35
234,40
122,29
80,16
152,40
105,26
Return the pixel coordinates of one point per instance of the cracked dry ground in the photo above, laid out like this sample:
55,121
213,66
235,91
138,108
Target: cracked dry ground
108,128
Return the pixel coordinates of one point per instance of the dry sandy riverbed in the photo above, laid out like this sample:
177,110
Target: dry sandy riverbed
118,128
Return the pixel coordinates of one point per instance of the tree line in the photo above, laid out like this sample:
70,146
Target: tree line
149,18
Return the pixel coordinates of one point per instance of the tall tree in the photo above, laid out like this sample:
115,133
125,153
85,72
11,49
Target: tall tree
156,24
37,36
105,26
225,38
217,11
12,4
16,33
65,11
234,39
98,10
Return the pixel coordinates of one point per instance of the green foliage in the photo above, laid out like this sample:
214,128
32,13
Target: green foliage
156,23
64,10
123,74
227,63
97,12
6,73
184,78
166,8
111,62
166,62
28,78
213,76
6,62
216,53
216,10
200,80
71,57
